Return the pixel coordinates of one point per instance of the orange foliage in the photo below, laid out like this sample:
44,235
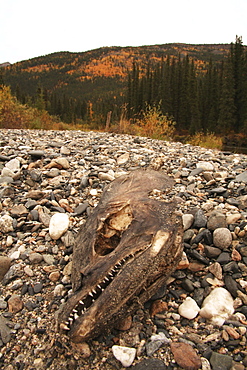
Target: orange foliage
16,115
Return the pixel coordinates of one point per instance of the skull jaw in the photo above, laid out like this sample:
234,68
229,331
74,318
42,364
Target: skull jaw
149,245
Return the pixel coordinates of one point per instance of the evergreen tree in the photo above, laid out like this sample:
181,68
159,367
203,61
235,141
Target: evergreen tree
227,108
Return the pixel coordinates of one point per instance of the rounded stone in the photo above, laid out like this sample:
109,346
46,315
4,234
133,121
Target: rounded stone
206,166
35,258
189,308
216,220
222,237
188,220
59,224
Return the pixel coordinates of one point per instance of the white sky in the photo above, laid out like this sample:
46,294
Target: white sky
30,28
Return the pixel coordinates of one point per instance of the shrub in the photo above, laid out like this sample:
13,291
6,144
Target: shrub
155,124
209,140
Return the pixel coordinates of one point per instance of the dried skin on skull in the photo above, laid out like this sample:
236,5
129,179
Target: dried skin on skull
110,233
125,251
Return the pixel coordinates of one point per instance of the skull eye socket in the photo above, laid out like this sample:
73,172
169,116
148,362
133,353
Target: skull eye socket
110,234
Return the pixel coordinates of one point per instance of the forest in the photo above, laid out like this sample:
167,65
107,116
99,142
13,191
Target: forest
206,94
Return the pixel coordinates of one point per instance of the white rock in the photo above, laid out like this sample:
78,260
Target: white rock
9,241
15,255
105,176
6,224
59,224
125,355
93,192
13,165
188,220
189,308
205,364
122,159
59,290
6,172
206,166
217,306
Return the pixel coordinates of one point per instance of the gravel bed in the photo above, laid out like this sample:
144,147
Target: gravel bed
197,321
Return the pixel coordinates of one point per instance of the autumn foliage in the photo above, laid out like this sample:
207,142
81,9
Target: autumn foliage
16,115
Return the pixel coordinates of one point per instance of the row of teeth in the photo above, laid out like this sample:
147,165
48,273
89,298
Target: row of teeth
82,306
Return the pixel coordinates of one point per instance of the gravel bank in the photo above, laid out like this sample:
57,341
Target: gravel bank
48,172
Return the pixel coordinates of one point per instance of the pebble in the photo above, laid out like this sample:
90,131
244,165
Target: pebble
222,237
188,220
189,308
58,225
217,306
125,355
44,173
185,356
219,361
15,304
6,224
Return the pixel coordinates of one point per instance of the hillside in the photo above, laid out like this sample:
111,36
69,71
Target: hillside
93,73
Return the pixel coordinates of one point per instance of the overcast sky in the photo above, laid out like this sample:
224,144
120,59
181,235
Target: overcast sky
30,28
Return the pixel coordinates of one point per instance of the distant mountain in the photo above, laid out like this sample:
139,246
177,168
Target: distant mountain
93,74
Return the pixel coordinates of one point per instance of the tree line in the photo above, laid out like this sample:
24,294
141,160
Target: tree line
212,100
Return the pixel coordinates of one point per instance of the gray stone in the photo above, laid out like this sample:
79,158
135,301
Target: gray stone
14,271
35,258
36,153
216,220
149,364
222,237
242,177
157,340
49,259
5,331
220,362
200,219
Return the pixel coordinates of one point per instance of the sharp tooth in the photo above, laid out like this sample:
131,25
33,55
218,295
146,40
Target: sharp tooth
76,316
99,287
119,264
94,291
110,273
74,310
106,278
93,300
71,319
91,294
64,326
81,302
